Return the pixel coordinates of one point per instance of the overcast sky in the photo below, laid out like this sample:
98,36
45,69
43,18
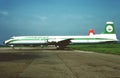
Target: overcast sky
56,17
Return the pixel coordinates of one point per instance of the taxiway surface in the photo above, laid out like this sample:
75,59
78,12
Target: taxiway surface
39,63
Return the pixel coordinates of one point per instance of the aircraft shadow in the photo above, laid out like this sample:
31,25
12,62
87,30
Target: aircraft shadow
19,56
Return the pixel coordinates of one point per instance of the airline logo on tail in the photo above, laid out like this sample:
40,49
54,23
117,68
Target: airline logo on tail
109,28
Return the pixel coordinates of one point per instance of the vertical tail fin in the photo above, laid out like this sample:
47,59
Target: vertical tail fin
91,32
109,28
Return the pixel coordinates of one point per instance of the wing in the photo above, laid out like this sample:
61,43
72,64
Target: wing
62,44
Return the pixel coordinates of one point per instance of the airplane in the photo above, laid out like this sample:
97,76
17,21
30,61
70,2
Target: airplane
60,42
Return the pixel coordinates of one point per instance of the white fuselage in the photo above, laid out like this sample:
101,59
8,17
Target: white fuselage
98,38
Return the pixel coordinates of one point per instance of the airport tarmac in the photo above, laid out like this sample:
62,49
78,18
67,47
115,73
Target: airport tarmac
50,63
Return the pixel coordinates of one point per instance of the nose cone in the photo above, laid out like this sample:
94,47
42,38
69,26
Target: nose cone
6,42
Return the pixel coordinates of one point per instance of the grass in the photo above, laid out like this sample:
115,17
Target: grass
101,48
